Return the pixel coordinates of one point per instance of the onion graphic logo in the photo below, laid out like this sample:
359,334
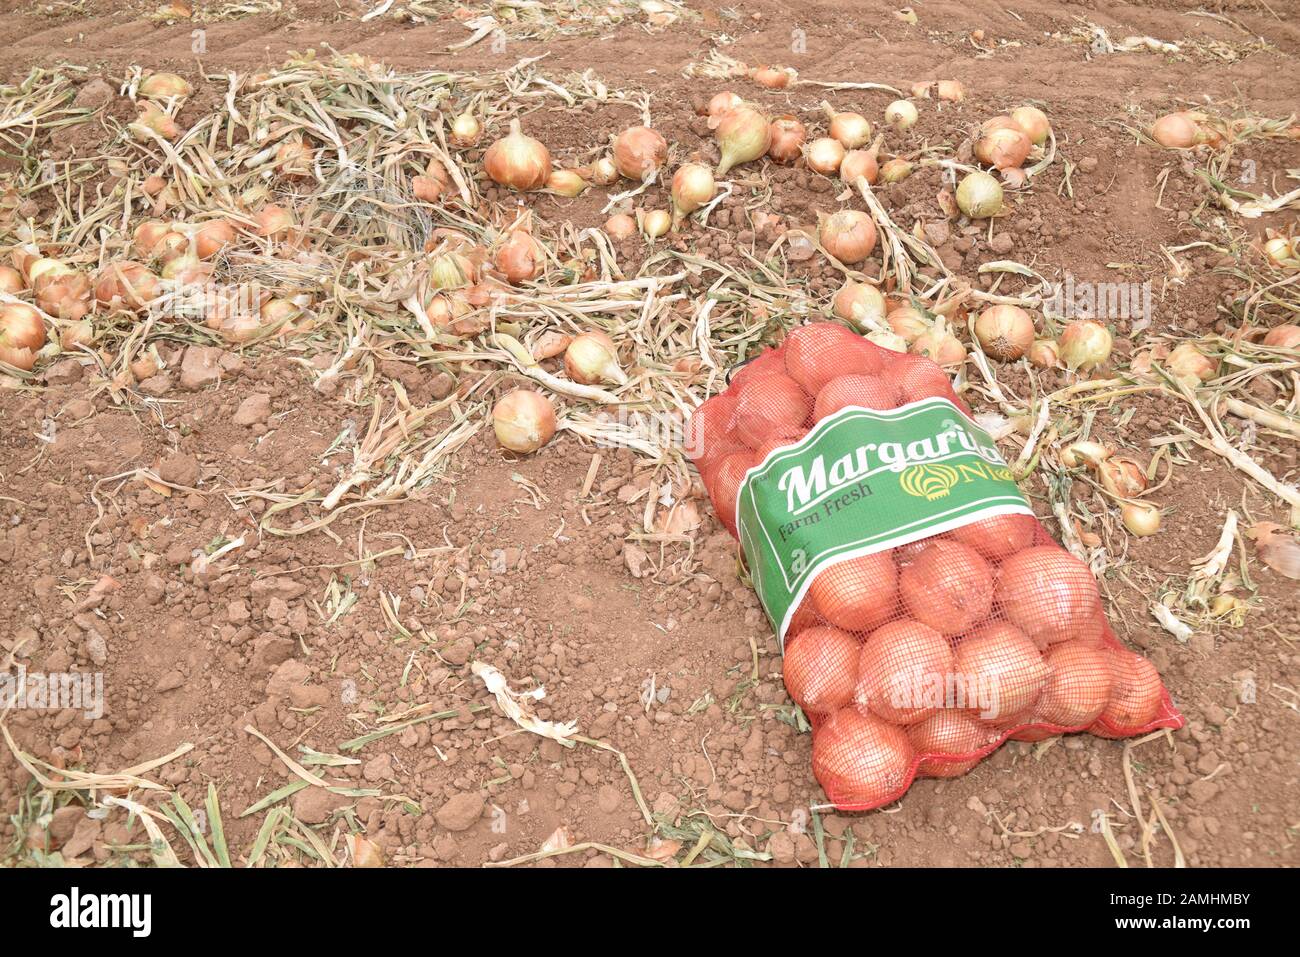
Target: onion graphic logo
928,481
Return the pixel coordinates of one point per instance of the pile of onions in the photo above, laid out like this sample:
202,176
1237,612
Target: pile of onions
1085,344
706,435
1049,595
518,161
947,586
776,407
1003,658
999,537
692,187
466,130
1135,691
824,155
851,129
592,358
639,151
1002,144
1034,122
901,115
979,195
743,135
821,669
947,731
865,391
126,284
1005,332
1078,685
859,759
524,420
520,258
849,235
859,303
22,334
858,594
787,138
897,665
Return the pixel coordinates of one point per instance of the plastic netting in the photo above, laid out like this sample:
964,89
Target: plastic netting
922,658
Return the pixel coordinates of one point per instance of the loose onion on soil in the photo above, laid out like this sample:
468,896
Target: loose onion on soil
524,420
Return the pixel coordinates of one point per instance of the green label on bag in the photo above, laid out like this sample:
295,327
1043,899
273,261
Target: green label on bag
864,481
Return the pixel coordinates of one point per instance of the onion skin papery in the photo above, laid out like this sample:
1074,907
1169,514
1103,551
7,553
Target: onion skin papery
859,759
566,182
620,226
520,258
1005,332
824,155
592,358
466,130
901,114
787,137
524,420
859,303
1085,344
518,161
849,235
979,195
692,187
1034,122
1176,131
859,164
1001,146
820,669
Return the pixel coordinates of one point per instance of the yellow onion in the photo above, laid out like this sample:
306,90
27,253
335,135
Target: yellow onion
431,185
950,90
171,245
1122,475
1283,337
1190,364
520,258
1282,252
1084,452
153,119
692,187
518,161
907,323
979,195
774,78
1034,123
592,358
293,158
446,309
450,270
859,303
76,334
1140,518
639,151
64,293
895,170
23,359
724,102
1005,332
1002,146
1045,354
824,155
566,182
186,270
603,172
921,89
145,236
163,85
743,134
1176,131
126,284
851,129
11,280
787,139
38,270
849,235
620,226
523,420
274,221
941,347
21,326
466,130
859,164
901,115
212,237
656,223
1085,344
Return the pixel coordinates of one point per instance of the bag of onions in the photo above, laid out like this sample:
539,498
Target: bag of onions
924,614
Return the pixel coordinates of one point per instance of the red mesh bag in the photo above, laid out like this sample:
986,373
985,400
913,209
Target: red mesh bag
925,614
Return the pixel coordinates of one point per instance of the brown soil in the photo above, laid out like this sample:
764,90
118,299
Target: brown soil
503,561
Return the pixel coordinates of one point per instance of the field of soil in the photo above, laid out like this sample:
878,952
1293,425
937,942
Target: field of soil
167,529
